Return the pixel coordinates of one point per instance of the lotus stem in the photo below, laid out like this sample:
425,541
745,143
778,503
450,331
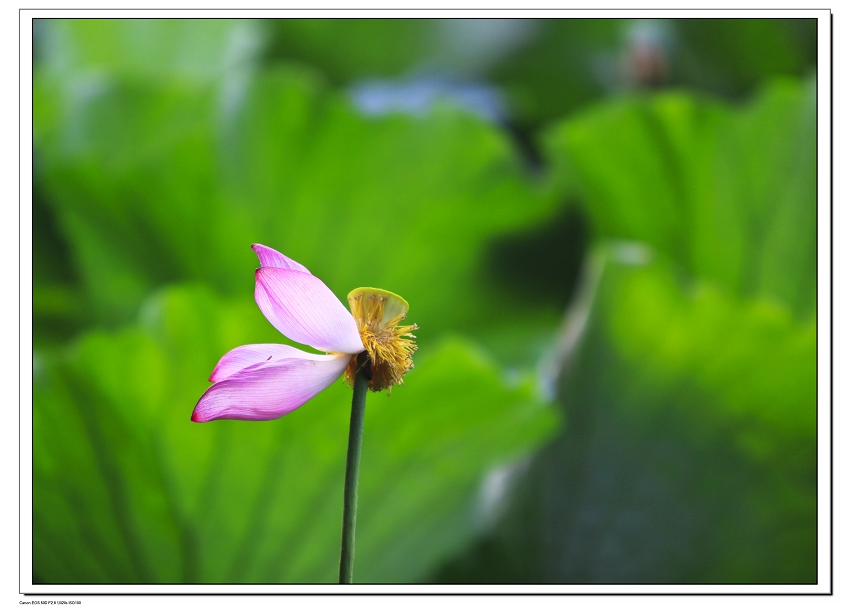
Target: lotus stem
352,470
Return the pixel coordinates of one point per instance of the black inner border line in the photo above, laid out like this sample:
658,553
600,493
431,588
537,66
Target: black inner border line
831,311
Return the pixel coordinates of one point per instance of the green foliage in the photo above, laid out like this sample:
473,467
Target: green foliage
752,355
164,148
700,459
573,62
690,455
154,183
549,68
731,56
194,49
128,489
730,194
689,383
346,49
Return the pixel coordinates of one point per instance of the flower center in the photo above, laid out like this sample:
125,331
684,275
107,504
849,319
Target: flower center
378,314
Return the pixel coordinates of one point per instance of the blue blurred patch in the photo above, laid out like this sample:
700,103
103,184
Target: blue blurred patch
418,96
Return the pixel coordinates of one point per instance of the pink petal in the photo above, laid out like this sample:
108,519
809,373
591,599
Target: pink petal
269,258
303,309
261,392
261,354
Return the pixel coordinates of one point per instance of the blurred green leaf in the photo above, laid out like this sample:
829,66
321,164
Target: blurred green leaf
196,49
57,300
559,69
549,68
691,451
349,49
753,359
728,193
128,489
570,63
699,463
154,183
734,56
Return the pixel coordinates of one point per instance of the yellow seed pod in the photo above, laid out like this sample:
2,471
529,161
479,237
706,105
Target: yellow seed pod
378,314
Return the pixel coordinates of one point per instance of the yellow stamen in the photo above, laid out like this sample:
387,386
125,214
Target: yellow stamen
389,345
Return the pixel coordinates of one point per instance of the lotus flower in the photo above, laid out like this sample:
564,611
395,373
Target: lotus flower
258,382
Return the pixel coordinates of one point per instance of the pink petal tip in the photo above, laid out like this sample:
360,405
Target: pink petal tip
269,258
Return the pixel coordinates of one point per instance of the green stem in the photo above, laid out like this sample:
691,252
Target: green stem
352,470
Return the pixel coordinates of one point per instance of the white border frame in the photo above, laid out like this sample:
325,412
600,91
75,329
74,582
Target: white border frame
824,380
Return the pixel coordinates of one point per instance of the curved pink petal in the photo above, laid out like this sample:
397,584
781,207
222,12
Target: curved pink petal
303,309
261,392
261,354
269,258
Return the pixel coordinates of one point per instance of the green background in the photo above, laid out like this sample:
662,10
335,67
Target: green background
605,229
